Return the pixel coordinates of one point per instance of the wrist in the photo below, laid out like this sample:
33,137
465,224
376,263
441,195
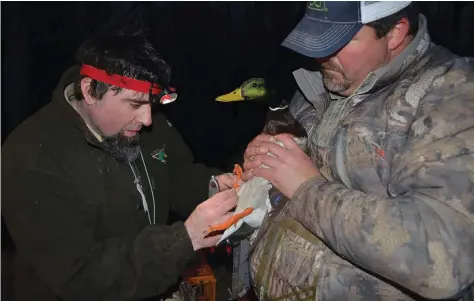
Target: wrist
316,180
192,236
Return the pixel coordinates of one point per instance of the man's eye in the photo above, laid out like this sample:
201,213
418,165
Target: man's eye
134,105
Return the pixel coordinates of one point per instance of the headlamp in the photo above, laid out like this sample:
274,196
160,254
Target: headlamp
165,95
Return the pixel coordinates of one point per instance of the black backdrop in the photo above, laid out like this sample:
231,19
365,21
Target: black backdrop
211,46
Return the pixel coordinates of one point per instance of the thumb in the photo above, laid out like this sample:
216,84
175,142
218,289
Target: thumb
220,198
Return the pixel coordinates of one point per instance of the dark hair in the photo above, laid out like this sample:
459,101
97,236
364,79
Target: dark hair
384,25
123,53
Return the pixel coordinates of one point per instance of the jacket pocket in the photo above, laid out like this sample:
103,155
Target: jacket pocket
286,262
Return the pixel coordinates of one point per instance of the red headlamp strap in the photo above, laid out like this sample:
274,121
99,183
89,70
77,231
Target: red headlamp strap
120,81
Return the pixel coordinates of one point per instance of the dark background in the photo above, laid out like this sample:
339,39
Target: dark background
211,46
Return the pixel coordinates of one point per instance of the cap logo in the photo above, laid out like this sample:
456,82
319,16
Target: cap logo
318,6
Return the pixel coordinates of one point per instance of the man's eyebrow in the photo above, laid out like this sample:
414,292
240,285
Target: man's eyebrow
136,100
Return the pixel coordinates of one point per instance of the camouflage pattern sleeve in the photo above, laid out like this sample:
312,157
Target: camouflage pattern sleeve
307,113
422,236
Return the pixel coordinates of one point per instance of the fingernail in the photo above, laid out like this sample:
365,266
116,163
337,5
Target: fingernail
272,138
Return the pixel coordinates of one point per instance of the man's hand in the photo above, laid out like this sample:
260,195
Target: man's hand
227,180
252,150
287,170
210,212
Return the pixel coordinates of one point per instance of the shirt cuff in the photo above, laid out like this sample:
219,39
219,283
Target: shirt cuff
182,245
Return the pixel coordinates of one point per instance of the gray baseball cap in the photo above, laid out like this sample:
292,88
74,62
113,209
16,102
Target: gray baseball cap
329,25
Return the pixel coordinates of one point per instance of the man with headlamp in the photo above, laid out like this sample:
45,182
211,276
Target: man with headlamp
87,191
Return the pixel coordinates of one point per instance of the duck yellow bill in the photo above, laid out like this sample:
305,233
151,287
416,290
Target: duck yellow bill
235,95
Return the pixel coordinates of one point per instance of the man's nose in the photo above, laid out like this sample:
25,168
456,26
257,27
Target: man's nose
145,116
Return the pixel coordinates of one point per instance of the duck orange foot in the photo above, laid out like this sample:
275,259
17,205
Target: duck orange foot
238,172
230,222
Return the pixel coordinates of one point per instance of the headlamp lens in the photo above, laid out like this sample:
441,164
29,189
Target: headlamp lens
168,98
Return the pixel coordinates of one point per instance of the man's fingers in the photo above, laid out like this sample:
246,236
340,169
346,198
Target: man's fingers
226,180
257,150
268,161
225,217
227,205
211,240
220,198
251,164
274,149
253,145
264,137
288,141
266,173
247,175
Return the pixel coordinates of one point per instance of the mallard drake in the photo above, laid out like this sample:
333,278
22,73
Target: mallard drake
279,119
256,195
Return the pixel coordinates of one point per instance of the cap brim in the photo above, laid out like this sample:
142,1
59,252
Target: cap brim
318,39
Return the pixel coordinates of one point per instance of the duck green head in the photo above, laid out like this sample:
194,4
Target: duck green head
252,89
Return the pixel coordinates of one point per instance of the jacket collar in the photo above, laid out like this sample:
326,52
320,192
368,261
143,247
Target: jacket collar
68,112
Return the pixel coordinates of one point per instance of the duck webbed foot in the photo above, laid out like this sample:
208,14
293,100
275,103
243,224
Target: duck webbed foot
238,172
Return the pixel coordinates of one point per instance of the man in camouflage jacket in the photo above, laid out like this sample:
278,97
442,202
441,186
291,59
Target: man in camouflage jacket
389,185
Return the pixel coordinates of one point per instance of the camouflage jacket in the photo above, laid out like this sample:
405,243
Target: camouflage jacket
397,209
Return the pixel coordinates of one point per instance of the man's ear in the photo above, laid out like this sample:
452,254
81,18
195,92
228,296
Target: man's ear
398,35
86,91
